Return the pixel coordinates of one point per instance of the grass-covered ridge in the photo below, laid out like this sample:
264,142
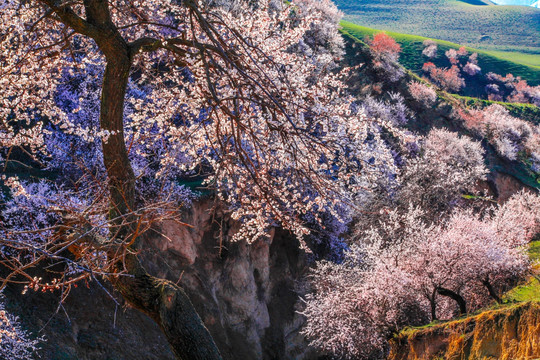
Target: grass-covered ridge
476,23
526,112
412,58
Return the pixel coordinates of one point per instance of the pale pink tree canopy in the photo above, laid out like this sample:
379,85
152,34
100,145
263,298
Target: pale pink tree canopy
213,83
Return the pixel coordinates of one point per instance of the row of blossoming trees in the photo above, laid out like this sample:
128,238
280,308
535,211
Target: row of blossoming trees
463,69
507,88
420,252
110,103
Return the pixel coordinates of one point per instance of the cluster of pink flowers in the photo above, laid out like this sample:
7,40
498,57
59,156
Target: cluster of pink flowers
409,272
509,135
385,51
448,78
422,93
512,88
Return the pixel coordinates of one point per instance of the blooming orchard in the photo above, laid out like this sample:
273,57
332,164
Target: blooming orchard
109,105
419,253
407,272
119,99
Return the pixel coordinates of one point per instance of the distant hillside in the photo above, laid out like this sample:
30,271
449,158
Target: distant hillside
517,2
412,58
475,23
370,82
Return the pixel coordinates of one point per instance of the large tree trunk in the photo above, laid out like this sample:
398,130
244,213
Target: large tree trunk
162,300
115,155
165,302
454,296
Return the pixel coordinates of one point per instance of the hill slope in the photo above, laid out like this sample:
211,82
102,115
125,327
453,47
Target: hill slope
369,82
412,58
516,2
476,23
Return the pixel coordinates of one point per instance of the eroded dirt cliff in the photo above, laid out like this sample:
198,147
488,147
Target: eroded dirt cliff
509,333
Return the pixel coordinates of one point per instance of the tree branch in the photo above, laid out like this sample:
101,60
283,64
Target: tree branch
70,18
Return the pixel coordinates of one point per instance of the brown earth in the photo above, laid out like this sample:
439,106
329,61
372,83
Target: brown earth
510,333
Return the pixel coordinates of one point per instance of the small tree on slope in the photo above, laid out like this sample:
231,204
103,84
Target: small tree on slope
410,273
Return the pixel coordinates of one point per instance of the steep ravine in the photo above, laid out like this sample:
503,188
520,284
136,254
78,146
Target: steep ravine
509,333
245,294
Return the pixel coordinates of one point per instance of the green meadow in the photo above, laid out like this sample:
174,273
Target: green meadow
475,23
412,58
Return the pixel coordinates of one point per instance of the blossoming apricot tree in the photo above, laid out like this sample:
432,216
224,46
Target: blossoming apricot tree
110,93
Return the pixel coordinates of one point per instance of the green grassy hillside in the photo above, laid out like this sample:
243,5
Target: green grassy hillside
369,81
529,291
475,23
522,58
412,58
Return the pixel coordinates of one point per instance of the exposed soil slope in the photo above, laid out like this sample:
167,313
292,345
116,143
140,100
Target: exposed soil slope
509,333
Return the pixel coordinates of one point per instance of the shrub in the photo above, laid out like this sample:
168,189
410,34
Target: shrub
422,93
322,41
430,49
393,110
383,45
509,135
449,165
448,78
472,69
385,51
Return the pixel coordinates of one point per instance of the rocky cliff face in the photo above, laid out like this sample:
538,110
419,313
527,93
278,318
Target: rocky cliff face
245,293
510,333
